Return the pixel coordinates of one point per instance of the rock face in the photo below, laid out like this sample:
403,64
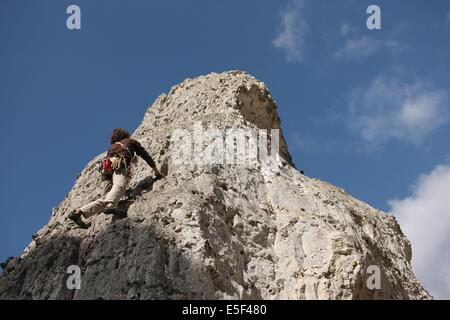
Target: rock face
216,231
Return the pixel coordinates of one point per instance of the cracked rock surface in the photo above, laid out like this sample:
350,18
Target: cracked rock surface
216,231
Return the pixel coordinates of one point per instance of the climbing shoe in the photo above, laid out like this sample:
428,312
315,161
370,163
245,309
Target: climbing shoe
118,213
77,219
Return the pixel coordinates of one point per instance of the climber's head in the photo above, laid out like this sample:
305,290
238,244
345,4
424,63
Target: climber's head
119,134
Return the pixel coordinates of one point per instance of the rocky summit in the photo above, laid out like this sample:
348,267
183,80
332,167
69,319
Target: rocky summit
214,228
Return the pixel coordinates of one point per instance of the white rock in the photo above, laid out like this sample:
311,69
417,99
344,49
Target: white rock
217,231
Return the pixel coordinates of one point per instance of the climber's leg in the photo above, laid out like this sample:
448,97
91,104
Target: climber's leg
96,206
92,208
75,216
108,185
119,187
114,191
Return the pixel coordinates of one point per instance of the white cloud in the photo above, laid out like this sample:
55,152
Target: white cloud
293,29
425,219
365,46
389,109
346,29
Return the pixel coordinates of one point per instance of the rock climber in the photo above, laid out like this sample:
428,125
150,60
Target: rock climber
115,170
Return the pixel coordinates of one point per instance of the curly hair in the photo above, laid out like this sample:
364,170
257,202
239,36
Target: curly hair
119,134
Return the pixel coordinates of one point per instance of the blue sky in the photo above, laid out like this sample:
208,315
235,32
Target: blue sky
367,110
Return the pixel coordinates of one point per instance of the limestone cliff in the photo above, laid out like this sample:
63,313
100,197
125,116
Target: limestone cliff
216,231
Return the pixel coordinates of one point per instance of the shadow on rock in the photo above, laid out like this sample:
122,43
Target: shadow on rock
128,259
145,185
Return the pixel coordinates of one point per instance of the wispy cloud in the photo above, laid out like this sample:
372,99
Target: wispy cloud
357,46
389,109
347,29
291,37
425,219
365,46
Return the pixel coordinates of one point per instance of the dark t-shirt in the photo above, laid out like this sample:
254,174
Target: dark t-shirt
134,147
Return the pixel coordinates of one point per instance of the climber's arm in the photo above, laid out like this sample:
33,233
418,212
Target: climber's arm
140,151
